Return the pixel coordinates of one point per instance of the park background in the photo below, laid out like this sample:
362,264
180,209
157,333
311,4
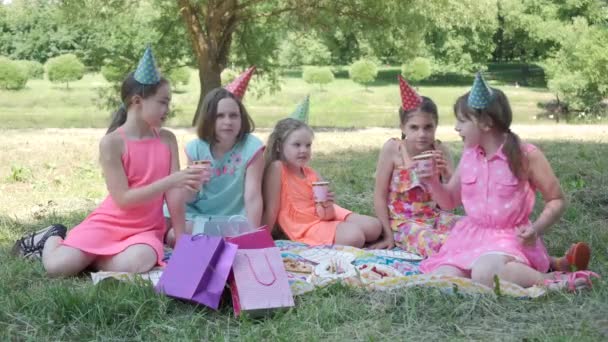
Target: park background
62,62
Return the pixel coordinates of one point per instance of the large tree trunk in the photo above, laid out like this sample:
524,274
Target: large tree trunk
210,29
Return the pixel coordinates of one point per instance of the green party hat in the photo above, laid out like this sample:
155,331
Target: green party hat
146,72
481,94
301,112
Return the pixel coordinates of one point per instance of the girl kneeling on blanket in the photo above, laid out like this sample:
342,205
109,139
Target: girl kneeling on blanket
288,194
496,181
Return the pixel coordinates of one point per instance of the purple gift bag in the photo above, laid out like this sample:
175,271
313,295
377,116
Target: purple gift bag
198,269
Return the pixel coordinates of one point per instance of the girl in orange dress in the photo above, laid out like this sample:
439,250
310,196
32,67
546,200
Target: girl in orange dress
289,200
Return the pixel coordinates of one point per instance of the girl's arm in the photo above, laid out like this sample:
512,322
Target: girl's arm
272,193
543,178
447,196
384,170
253,190
175,197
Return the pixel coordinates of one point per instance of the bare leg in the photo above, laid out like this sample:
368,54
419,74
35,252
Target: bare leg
371,226
170,235
349,234
487,266
137,258
450,271
63,261
523,275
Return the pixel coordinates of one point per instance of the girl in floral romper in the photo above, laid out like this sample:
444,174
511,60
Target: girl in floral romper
410,218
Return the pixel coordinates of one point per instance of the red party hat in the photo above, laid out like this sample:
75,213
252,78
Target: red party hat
239,85
409,97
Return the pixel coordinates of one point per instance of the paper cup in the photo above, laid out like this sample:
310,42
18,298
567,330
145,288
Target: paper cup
203,165
320,190
424,163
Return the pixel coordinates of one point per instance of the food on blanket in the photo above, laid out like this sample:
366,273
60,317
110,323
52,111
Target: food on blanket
334,269
293,265
375,272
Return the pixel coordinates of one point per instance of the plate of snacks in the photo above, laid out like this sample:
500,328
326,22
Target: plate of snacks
371,273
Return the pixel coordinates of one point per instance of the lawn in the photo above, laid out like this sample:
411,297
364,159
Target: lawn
52,175
342,103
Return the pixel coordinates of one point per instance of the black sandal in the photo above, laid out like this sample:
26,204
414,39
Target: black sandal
31,245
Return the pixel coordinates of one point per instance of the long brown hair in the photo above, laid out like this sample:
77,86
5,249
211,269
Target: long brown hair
130,87
279,134
205,126
499,116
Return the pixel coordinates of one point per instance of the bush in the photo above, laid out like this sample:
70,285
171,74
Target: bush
12,75
64,69
363,72
179,76
317,75
417,69
113,73
34,69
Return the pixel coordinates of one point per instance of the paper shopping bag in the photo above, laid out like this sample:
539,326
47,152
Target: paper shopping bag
259,238
259,282
198,269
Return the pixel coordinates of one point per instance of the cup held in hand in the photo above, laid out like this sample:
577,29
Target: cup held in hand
425,163
320,190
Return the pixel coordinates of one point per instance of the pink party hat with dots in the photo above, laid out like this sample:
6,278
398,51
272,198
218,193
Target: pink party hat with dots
409,97
239,85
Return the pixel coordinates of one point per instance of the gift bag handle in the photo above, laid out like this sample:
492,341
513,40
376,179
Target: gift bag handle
274,276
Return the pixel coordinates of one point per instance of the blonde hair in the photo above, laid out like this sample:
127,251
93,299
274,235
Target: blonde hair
279,134
499,115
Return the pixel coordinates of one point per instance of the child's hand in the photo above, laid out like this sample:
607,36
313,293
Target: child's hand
330,196
527,235
190,178
387,242
441,164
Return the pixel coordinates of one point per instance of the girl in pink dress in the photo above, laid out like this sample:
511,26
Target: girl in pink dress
496,181
141,167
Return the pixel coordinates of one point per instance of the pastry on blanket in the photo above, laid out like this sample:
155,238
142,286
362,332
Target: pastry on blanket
293,265
376,272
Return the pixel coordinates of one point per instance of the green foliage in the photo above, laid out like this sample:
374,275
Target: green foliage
12,75
301,49
317,75
65,69
416,70
228,75
35,70
113,73
179,76
363,72
578,72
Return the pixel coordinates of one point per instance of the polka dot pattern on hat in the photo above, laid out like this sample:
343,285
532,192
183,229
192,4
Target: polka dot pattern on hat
409,97
238,87
146,72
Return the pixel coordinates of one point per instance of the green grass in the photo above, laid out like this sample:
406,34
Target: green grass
62,183
342,103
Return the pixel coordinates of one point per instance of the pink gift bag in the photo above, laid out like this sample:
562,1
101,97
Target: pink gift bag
259,238
198,269
259,281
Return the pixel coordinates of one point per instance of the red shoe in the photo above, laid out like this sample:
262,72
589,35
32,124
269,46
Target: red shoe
578,256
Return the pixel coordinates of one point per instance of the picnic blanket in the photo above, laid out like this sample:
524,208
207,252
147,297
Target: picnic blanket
309,268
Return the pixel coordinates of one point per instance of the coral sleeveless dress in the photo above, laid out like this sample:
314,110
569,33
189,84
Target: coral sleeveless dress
496,203
297,213
109,229
419,226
